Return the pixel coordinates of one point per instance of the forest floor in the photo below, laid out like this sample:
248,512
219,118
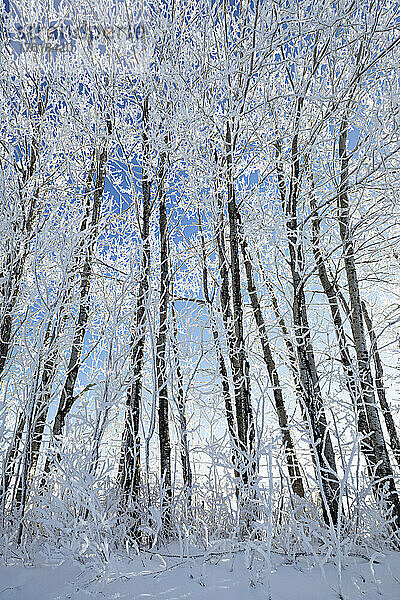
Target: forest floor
211,577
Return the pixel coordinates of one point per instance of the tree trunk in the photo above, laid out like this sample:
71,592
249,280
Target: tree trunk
129,471
67,399
21,489
67,395
222,368
309,379
288,445
42,398
161,365
11,457
13,269
240,364
380,387
331,294
185,457
368,418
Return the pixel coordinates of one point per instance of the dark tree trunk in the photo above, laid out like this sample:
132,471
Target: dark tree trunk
333,301
222,368
93,189
67,394
41,402
368,417
161,364
331,292
291,352
288,445
12,272
240,364
21,489
185,456
11,457
309,379
380,387
129,471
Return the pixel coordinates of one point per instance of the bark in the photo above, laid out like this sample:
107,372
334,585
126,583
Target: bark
222,368
42,398
21,488
67,394
43,393
129,471
240,364
288,445
308,375
94,189
161,364
185,457
380,387
291,352
50,365
333,296
331,293
291,355
369,424
13,269
224,275
231,408
11,457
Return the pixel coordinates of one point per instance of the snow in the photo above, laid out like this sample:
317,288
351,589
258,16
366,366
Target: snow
214,577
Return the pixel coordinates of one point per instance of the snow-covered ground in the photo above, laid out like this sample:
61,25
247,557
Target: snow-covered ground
214,577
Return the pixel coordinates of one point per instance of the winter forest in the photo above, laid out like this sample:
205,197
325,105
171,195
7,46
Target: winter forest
199,297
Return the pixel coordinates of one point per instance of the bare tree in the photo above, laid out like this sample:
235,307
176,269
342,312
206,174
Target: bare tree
288,445
375,450
129,470
380,386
